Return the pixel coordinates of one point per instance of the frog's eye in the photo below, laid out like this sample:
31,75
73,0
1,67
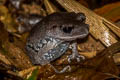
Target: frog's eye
67,29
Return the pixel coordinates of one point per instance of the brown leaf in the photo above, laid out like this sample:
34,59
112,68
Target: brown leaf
110,11
7,20
100,67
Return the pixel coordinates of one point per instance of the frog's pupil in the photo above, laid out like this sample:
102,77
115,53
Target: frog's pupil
67,29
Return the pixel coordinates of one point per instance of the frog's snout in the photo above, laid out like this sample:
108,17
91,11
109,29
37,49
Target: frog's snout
84,31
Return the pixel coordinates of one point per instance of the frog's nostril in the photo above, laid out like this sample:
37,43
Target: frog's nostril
81,17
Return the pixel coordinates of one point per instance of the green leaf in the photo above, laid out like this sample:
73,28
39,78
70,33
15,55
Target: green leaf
34,75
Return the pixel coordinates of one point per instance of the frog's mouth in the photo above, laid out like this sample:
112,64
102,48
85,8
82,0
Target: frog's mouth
74,37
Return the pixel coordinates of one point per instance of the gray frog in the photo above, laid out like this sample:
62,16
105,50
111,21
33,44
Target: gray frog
51,36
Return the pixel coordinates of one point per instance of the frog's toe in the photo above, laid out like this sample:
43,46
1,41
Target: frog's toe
70,57
77,57
80,57
63,70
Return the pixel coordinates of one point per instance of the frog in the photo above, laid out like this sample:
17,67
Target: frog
52,35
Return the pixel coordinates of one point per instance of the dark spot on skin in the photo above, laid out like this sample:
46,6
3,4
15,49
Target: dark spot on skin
34,48
37,48
30,45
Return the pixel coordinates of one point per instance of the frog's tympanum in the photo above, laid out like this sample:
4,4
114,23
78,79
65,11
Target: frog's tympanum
52,35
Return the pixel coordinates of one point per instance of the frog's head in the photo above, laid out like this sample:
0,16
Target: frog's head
67,26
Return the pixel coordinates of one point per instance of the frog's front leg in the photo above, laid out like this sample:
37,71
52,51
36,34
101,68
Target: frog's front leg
75,53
